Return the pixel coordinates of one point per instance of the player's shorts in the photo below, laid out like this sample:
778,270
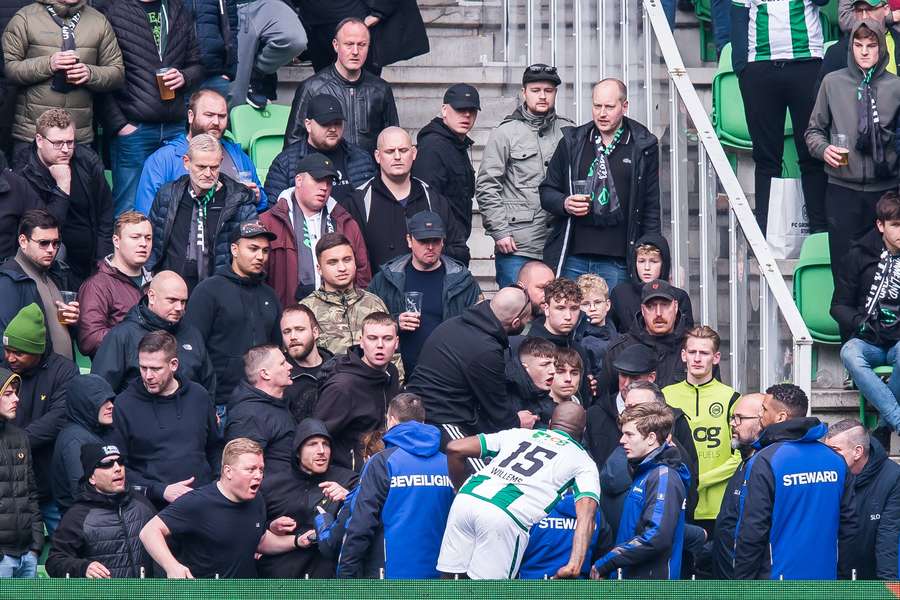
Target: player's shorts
481,540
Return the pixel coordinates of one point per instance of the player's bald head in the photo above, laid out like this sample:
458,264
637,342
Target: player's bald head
570,418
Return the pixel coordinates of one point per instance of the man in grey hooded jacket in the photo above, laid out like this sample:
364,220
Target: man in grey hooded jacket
860,102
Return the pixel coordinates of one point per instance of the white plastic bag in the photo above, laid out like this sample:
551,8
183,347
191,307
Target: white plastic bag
788,224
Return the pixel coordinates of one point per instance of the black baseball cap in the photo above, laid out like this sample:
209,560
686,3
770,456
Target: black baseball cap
636,359
252,229
462,96
426,225
657,289
540,72
324,109
94,454
317,165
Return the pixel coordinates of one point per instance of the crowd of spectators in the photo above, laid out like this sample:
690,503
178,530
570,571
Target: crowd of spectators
302,377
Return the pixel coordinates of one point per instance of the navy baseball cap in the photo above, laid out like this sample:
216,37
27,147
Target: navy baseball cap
426,225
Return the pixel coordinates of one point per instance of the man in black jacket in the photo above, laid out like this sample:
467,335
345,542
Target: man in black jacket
99,536
165,426
443,159
446,288
258,410
8,90
194,216
161,309
43,386
69,180
383,205
324,125
21,528
877,485
299,333
612,157
235,310
866,306
660,328
294,497
355,394
160,50
367,100
460,375
16,198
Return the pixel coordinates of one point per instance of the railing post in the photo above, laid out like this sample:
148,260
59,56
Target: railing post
505,25
624,35
601,38
708,241
529,32
738,323
678,197
648,69
578,83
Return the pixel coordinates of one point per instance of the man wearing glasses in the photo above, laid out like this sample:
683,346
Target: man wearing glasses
71,185
513,165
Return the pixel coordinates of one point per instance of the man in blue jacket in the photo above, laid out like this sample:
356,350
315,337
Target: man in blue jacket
651,531
207,113
796,504
404,498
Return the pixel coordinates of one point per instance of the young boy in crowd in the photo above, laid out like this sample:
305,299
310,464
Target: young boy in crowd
651,261
530,372
569,370
595,331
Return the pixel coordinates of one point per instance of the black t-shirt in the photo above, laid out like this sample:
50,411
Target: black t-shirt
175,258
154,17
215,535
431,284
587,238
77,232
342,189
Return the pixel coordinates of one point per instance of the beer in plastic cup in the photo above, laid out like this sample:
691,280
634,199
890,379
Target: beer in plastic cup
839,141
165,92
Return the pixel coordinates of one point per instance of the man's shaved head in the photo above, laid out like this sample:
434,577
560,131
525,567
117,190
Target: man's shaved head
511,307
570,418
165,279
533,276
393,136
167,296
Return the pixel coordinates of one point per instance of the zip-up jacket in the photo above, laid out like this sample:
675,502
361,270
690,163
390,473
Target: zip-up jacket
726,521
264,419
651,532
353,401
643,203
667,347
103,528
21,527
405,493
708,407
796,506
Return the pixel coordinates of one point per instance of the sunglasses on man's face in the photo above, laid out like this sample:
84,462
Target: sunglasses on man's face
111,464
44,244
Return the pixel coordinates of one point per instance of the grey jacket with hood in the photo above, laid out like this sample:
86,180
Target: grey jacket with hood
513,165
836,112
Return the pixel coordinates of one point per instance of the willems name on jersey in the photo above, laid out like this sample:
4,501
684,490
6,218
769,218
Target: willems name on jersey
810,477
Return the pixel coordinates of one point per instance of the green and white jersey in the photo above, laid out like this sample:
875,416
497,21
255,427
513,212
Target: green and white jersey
783,30
529,472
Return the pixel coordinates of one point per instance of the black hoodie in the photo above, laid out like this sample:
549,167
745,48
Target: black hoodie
539,329
303,394
86,394
233,314
461,372
626,297
117,358
877,499
521,390
265,419
296,493
166,439
353,401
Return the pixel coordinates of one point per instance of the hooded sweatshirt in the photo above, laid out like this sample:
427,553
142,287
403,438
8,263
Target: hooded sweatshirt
626,297
295,493
404,494
166,439
837,111
669,366
86,394
233,314
353,401
521,390
265,419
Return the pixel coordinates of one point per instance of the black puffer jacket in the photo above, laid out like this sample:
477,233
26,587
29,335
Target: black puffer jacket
88,168
669,366
264,419
240,206
21,528
105,529
296,493
86,394
216,34
368,105
138,101
16,197
443,162
117,358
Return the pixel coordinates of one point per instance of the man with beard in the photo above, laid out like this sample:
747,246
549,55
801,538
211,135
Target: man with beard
207,113
299,336
221,526
513,165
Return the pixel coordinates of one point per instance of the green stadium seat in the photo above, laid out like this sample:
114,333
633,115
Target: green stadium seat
813,288
790,169
83,362
246,121
264,147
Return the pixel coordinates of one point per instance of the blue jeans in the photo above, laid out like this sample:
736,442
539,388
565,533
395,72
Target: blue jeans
18,567
127,155
51,516
721,22
508,266
859,358
613,270
668,7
